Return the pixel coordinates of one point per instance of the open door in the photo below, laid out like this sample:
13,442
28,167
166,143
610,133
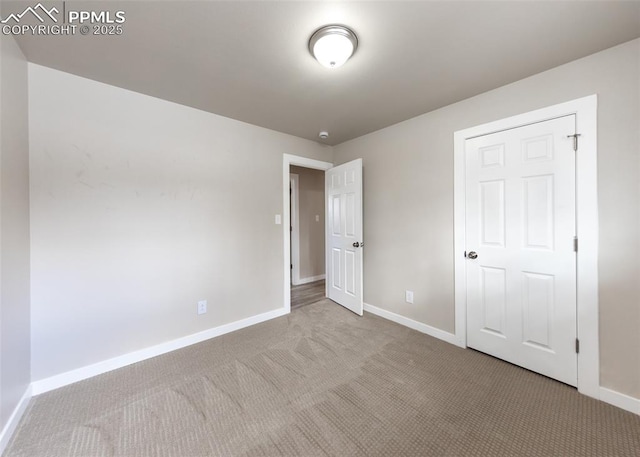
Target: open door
343,191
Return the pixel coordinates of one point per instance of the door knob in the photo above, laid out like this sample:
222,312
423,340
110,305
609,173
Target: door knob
356,245
472,255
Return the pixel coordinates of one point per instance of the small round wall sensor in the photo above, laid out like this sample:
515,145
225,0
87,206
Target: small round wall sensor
324,135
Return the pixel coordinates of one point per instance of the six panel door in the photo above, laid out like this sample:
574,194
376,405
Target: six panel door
520,223
343,190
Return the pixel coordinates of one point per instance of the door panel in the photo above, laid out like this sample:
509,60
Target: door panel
538,309
520,219
336,220
336,271
343,188
494,300
350,277
537,207
350,214
492,213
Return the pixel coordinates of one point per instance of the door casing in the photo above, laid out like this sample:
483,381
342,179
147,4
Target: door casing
295,230
585,110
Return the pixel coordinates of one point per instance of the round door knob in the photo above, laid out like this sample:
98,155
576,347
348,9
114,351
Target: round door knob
472,255
356,245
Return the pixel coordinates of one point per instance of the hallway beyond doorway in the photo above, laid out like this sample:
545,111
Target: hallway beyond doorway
307,294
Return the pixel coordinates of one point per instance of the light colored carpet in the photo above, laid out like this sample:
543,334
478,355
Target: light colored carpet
322,381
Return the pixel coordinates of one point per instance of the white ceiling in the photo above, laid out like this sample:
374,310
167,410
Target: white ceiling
249,60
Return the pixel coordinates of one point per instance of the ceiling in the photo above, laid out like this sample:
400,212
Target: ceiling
249,60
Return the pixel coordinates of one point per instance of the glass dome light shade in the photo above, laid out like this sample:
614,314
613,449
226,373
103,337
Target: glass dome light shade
333,45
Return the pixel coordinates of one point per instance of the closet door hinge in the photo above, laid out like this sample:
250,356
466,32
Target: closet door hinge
577,346
575,244
575,140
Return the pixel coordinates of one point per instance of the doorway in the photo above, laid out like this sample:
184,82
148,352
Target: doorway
304,164
582,120
343,230
307,226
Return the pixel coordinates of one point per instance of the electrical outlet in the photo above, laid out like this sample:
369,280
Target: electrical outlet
202,306
408,296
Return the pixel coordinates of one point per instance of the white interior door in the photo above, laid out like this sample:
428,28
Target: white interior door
521,263
343,190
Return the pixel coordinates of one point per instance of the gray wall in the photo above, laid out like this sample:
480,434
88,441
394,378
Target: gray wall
408,200
14,229
311,203
140,208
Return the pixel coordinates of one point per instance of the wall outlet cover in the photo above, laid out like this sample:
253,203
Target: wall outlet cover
408,296
202,306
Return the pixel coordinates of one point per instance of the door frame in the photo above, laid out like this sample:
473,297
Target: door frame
287,161
295,229
585,110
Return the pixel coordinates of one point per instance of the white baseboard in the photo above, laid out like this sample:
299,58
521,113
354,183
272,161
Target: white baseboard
302,281
63,379
12,423
622,401
415,325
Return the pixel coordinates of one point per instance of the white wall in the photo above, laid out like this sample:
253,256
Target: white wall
310,205
140,208
14,231
408,200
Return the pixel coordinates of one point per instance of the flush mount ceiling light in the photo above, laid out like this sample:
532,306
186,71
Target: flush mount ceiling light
332,45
